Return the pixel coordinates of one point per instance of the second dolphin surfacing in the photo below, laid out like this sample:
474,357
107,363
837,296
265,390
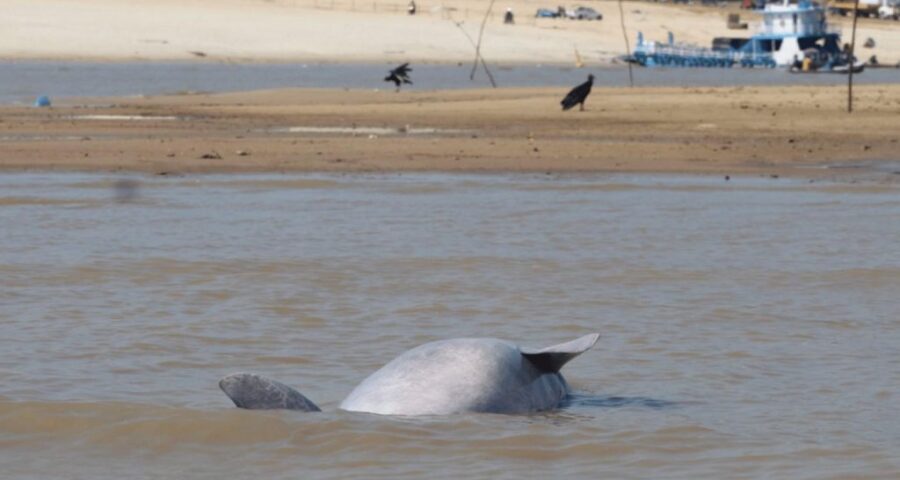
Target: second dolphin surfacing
439,378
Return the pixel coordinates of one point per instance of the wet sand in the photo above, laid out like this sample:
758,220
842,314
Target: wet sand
738,130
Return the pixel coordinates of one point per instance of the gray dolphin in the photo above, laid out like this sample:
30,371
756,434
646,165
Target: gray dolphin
438,378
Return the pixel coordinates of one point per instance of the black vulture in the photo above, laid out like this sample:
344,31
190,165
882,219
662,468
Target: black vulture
578,94
399,75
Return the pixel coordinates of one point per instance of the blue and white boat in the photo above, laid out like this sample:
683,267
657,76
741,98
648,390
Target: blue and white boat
788,34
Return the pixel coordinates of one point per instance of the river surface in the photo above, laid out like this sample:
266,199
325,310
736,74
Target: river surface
22,81
749,328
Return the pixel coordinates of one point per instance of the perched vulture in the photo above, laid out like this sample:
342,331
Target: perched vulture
578,94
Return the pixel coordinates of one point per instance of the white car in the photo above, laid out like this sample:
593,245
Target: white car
584,13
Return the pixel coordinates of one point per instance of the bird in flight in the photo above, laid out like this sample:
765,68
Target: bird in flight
399,75
578,94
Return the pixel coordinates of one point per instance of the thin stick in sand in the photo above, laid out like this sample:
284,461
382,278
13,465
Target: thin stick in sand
477,55
850,60
478,45
627,45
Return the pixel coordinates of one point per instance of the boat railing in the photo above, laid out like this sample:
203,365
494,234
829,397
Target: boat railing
653,53
802,30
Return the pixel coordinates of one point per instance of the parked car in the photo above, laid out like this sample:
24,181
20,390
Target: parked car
584,13
546,13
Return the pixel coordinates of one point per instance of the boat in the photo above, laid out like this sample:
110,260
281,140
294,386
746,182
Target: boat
844,69
789,33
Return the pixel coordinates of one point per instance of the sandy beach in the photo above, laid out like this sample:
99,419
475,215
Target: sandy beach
796,131
360,30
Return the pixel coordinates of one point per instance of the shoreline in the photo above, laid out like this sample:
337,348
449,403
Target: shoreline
767,131
26,81
613,64
562,64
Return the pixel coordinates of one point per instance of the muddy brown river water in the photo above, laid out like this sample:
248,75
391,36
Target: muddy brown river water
749,328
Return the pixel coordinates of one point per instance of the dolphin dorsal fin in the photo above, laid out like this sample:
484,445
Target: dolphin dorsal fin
551,359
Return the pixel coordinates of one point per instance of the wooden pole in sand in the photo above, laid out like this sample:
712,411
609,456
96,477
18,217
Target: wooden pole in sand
850,60
478,45
627,46
477,55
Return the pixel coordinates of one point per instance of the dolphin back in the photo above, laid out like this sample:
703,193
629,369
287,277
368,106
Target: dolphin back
255,392
552,359
468,375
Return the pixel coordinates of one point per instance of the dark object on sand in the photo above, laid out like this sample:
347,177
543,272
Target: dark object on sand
735,23
578,94
508,17
399,75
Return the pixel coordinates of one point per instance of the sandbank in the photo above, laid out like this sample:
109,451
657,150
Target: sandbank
797,131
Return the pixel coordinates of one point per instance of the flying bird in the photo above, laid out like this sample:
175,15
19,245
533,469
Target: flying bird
578,94
399,75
